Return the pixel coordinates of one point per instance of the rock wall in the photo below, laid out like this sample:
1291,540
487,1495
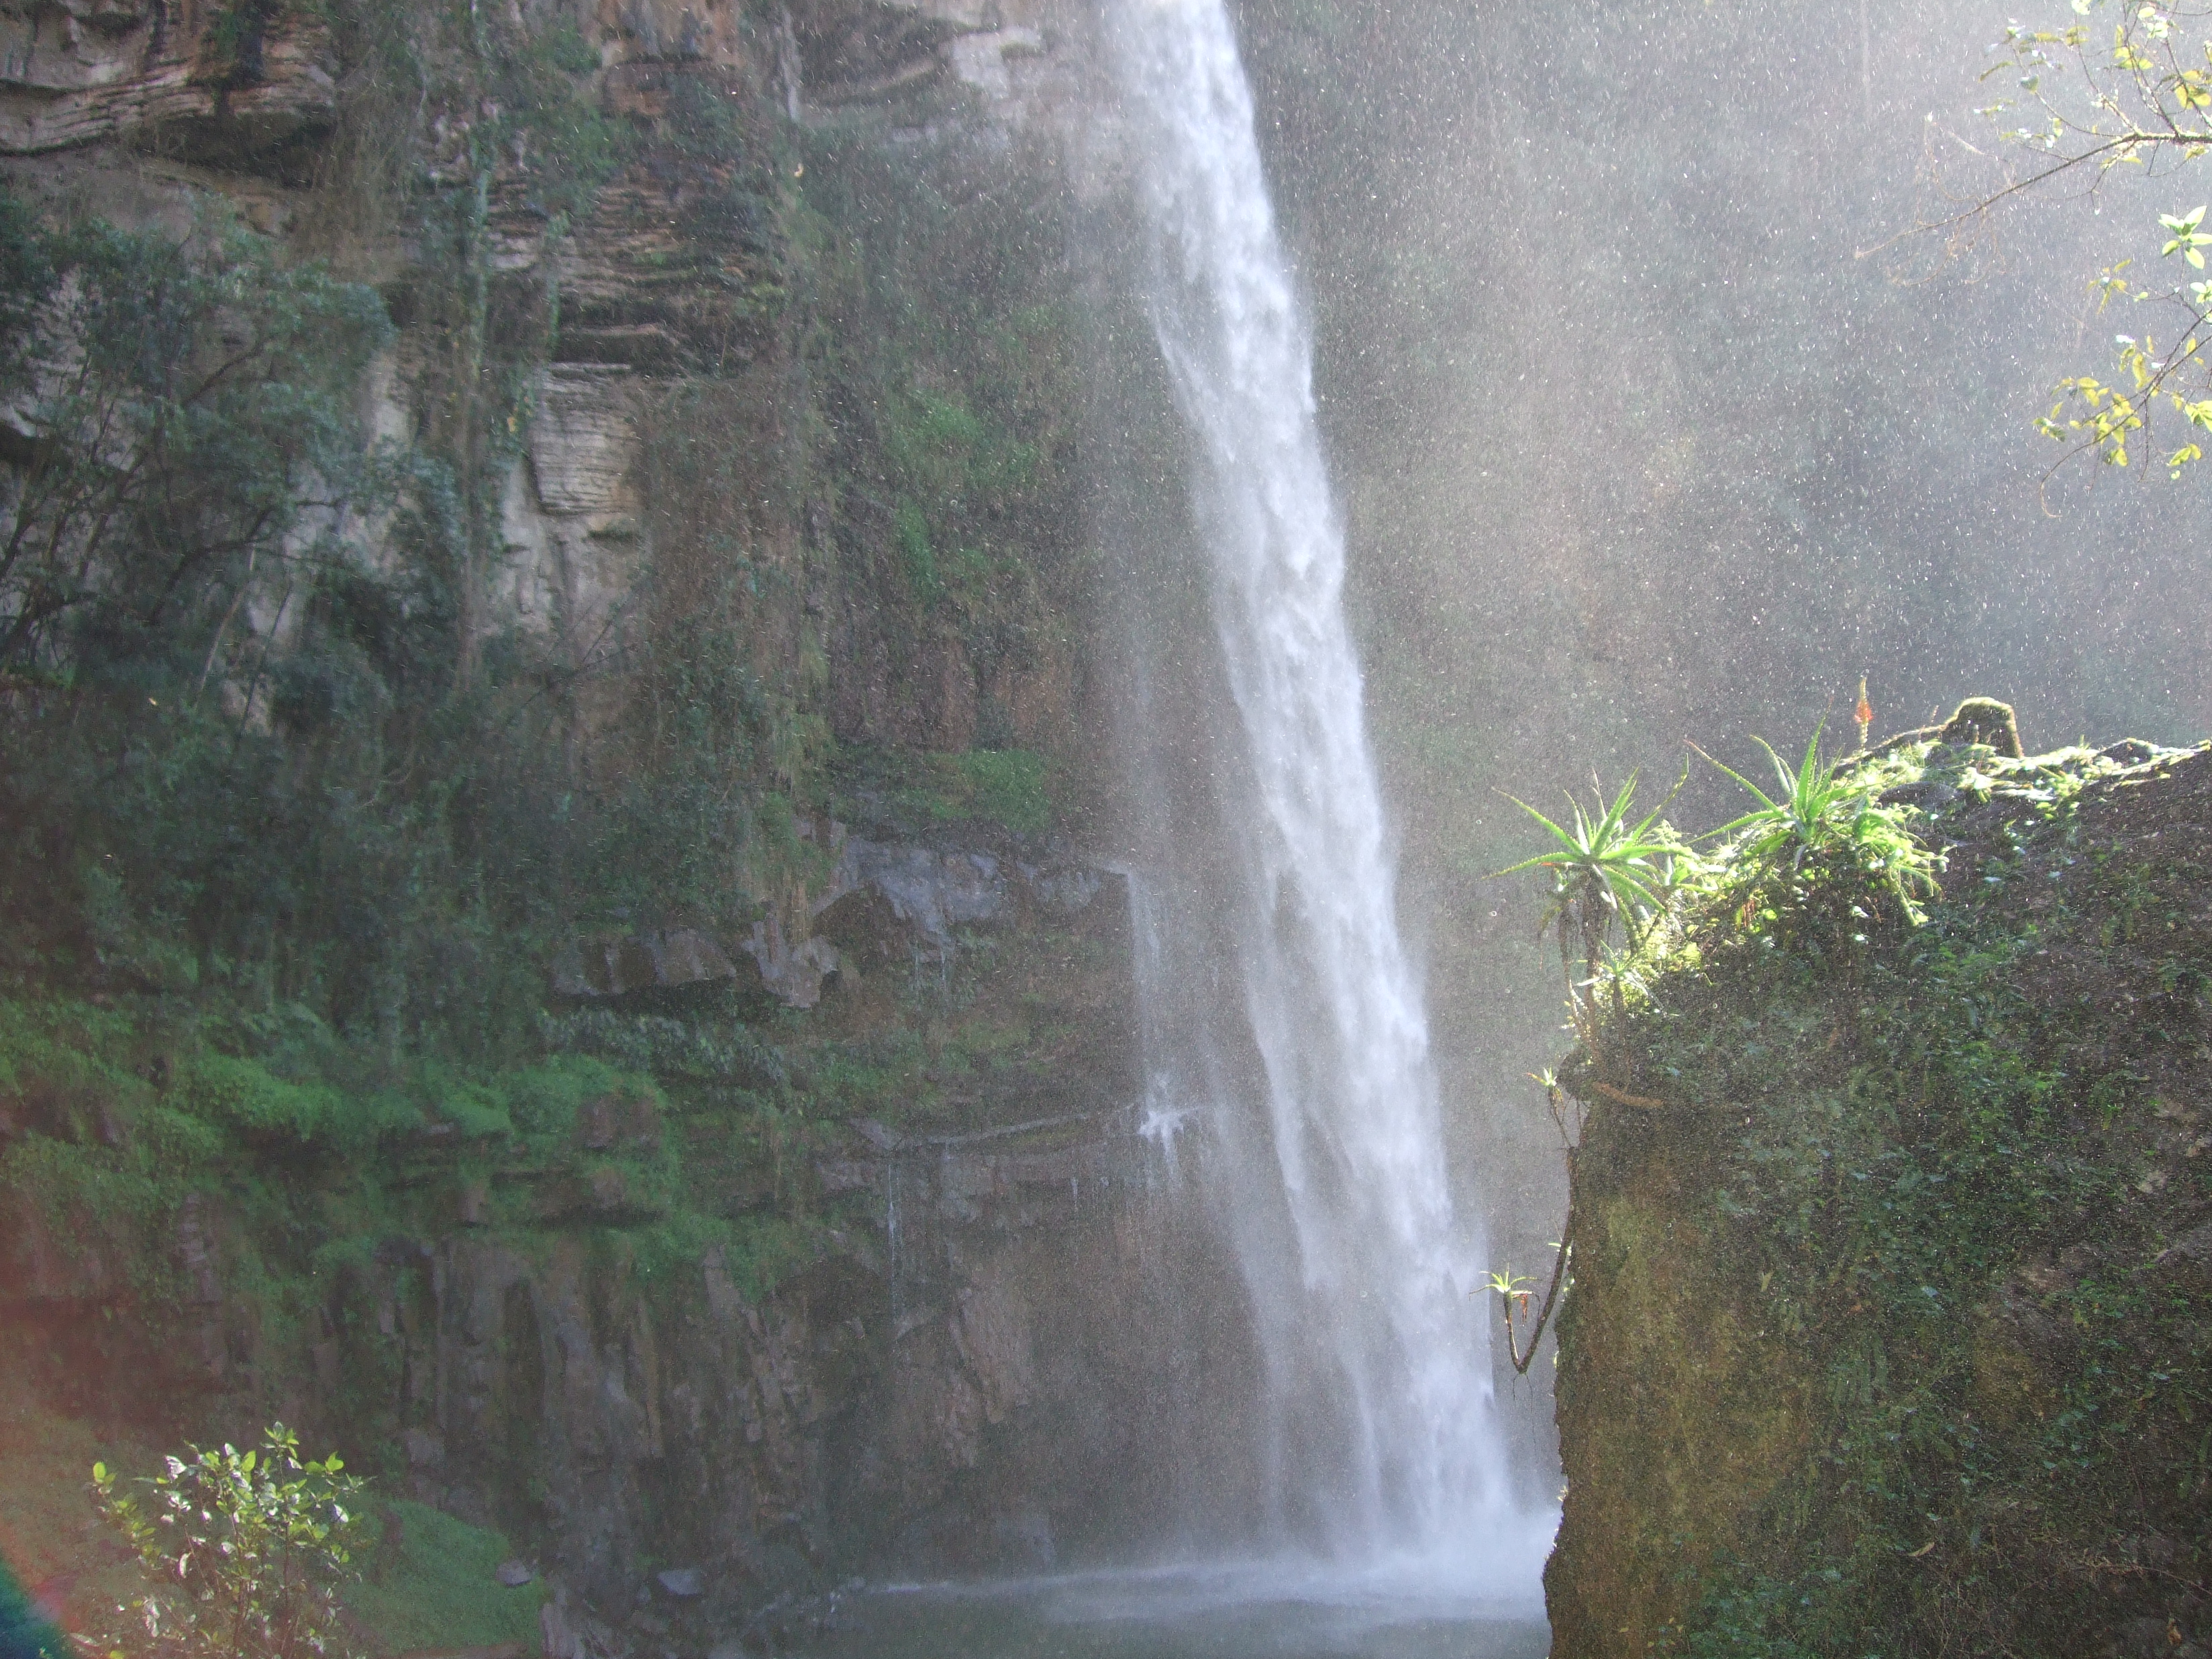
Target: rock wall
1885,1331
699,377
953,1396
1012,1347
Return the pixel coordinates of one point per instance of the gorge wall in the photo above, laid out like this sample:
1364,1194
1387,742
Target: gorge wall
557,935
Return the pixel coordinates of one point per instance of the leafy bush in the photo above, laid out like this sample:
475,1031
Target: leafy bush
243,1097
255,1544
1603,869
73,1057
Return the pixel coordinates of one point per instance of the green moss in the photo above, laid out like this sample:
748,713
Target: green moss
1918,1179
906,792
429,1583
243,1097
1009,786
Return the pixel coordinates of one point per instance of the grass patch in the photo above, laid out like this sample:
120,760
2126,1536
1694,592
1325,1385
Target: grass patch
902,793
431,1584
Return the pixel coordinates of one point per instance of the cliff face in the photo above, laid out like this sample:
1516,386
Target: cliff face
597,237
596,1002
1886,1331
640,1327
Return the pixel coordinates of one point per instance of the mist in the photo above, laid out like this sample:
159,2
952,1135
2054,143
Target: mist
1657,423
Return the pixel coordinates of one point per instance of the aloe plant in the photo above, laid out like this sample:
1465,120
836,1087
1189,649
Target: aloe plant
1604,867
1817,814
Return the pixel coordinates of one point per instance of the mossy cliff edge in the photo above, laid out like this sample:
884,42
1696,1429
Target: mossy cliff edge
1889,1323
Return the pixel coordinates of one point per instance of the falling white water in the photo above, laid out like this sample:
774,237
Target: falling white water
1380,1436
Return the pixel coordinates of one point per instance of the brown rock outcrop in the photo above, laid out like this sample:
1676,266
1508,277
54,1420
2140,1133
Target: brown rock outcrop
253,96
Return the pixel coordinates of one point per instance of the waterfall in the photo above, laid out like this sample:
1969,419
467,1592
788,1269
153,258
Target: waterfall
1377,1425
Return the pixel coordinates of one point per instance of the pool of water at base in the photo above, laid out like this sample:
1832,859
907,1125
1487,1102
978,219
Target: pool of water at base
1181,1613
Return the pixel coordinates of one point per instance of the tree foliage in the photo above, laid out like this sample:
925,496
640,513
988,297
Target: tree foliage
186,436
2127,84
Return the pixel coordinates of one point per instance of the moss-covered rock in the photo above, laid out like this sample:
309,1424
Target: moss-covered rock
1887,1331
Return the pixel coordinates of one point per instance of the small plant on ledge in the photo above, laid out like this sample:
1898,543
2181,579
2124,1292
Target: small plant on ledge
1819,826
1605,868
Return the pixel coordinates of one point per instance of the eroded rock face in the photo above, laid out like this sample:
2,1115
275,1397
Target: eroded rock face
956,1395
582,442
254,96
928,892
886,903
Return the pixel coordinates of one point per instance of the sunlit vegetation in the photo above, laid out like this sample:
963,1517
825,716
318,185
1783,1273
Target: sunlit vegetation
1825,833
1603,870
2126,86
244,1552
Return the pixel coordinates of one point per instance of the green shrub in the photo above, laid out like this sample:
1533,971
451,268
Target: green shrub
242,1096
244,1552
69,1053
543,1101
1825,830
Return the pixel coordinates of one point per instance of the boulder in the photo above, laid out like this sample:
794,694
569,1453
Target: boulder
885,894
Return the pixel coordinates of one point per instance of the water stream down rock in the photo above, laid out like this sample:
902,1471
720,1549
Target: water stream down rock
1379,1431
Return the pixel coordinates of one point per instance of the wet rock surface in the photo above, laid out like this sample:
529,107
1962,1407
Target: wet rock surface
885,903
952,1396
